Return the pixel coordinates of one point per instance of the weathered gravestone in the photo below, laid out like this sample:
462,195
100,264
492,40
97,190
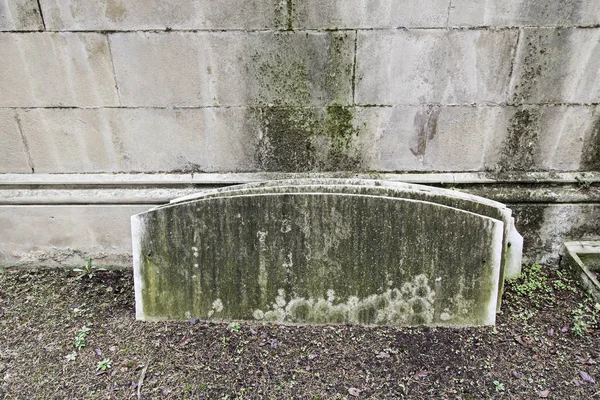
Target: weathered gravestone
324,251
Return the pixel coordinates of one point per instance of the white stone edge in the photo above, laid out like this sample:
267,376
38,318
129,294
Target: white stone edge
343,182
137,230
583,246
495,263
248,177
512,267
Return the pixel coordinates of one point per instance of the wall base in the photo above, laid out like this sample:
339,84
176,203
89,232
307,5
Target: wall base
60,220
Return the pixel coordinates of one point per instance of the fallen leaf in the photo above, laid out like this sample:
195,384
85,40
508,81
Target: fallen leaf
520,340
420,374
312,356
354,392
587,361
517,375
586,377
98,352
564,329
194,321
383,354
112,348
551,332
252,331
544,394
184,341
274,343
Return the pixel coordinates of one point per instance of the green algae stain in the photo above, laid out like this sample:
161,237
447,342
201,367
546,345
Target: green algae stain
297,139
295,133
286,139
341,133
307,258
590,158
521,148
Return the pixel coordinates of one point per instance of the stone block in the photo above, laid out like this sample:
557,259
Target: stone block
317,258
131,15
430,138
20,15
557,66
310,139
138,140
233,68
524,12
344,14
67,235
433,66
14,154
550,138
51,69
528,138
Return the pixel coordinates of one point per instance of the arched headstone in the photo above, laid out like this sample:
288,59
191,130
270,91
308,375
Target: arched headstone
342,252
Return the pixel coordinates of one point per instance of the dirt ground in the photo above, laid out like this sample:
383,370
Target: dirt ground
546,344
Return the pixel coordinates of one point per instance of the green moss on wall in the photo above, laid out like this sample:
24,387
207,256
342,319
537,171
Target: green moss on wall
300,124
521,148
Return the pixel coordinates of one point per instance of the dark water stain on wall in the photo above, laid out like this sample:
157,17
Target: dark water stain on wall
529,219
541,68
590,158
303,121
563,12
521,148
304,139
425,123
285,138
115,10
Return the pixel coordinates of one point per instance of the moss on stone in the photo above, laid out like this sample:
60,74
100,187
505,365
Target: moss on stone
339,261
590,158
521,148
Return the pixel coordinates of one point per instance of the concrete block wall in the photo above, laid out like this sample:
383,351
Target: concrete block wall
225,91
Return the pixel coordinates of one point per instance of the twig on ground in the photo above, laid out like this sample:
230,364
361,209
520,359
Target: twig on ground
141,381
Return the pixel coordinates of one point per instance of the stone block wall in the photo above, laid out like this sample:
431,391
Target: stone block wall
197,93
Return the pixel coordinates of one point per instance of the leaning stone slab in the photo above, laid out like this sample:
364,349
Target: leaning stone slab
512,241
321,257
582,258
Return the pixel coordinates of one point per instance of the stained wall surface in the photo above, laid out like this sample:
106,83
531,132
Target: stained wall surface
497,87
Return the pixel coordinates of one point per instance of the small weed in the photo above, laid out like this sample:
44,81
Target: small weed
80,311
499,386
583,184
104,365
225,340
585,317
534,285
88,270
72,356
235,327
80,338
